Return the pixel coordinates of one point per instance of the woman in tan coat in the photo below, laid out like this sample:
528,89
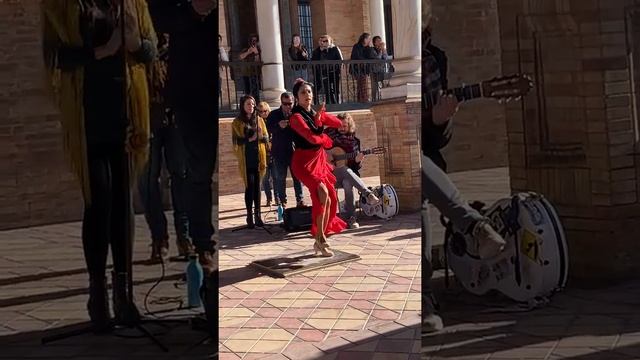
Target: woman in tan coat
86,59
250,139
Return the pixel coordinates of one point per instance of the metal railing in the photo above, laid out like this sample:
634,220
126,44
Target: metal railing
342,84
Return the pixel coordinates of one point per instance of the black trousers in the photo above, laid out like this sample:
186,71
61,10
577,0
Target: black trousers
252,192
108,217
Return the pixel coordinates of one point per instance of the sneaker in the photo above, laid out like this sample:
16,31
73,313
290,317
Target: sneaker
372,199
184,247
487,242
208,262
432,323
352,223
159,251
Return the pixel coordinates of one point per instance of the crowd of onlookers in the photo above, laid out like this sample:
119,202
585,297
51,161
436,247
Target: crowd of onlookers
323,66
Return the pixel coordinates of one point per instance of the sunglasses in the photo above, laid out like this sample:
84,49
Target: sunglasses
287,104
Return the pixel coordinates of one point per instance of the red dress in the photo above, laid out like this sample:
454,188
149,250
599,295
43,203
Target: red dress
312,168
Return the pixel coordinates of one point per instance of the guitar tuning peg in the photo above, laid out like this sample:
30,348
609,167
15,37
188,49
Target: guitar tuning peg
519,98
508,99
500,101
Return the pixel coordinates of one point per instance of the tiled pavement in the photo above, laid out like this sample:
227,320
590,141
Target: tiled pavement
579,324
43,291
345,311
582,324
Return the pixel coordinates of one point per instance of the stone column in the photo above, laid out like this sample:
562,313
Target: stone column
271,47
376,18
573,139
407,50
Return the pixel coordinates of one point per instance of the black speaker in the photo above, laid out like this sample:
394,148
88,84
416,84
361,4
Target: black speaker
297,218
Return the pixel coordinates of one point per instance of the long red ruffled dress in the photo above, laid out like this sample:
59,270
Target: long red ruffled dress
309,163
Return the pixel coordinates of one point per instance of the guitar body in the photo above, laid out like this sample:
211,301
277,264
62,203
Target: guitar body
336,156
535,261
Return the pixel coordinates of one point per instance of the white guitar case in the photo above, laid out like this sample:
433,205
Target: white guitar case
535,261
387,207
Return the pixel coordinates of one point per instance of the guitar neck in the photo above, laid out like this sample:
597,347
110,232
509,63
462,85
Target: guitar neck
462,93
352,155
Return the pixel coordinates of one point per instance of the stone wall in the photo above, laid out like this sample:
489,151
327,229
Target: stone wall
35,185
575,138
398,124
231,182
467,30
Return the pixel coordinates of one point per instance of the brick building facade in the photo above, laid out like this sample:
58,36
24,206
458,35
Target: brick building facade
36,186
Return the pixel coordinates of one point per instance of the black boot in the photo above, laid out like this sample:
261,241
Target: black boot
258,217
98,305
250,224
125,311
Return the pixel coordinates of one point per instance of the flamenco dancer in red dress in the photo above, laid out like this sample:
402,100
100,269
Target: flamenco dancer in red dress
310,165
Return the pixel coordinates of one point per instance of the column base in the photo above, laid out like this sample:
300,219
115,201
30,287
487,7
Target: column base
272,97
405,90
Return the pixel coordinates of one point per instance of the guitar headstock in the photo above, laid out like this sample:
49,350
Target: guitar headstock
506,88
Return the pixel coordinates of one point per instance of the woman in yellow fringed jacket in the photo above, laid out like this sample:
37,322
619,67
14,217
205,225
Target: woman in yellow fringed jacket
83,53
250,138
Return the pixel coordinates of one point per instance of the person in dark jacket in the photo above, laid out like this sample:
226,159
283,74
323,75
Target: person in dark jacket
437,112
192,85
282,149
165,148
327,76
362,50
298,52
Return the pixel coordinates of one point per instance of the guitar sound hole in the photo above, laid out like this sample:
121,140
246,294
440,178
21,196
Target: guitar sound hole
472,285
540,231
546,262
528,287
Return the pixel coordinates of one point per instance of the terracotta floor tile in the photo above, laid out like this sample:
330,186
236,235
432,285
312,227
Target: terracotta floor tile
277,334
268,346
311,335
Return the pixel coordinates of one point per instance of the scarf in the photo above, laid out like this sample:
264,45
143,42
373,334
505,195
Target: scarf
61,25
309,118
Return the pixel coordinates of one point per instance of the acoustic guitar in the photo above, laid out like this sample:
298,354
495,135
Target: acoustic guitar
503,88
338,157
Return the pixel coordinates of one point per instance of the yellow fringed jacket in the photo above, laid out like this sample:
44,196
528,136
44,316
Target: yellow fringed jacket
238,147
61,26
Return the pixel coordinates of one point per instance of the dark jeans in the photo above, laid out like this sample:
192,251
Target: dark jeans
166,145
438,190
252,86
281,166
269,183
330,87
198,131
252,191
108,218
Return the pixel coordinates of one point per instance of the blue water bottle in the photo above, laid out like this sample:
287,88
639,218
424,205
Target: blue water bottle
280,212
194,281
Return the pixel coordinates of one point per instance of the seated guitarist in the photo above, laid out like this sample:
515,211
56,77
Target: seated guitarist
349,176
